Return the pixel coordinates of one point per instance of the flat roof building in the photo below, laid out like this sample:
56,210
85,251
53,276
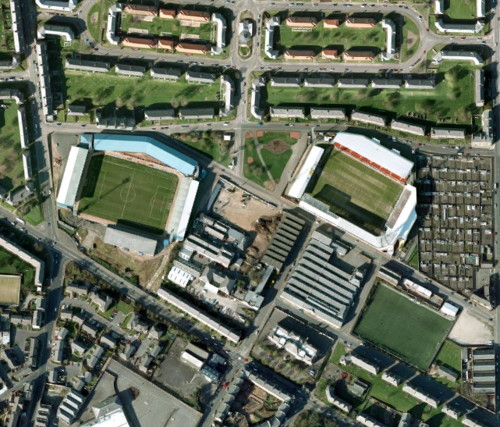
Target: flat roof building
425,84
220,33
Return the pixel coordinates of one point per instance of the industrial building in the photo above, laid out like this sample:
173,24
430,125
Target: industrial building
284,240
319,288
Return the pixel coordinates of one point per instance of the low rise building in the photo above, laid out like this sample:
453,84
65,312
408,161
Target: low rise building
153,115
190,113
354,22
425,84
87,65
447,133
294,344
380,83
216,281
192,48
326,82
406,127
328,113
200,77
138,42
287,112
279,81
330,53
140,10
166,73
271,25
331,23
420,395
373,119
130,70
359,55
300,54
301,21
353,83
193,16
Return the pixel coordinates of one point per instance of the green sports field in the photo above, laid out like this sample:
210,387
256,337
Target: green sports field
405,328
128,193
356,191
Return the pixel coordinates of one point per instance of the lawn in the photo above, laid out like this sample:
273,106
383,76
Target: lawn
10,264
356,191
276,151
343,37
276,163
395,323
450,356
282,136
11,165
411,39
413,260
253,169
122,91
128,193
35,215
461,9
164,27
209,143
451,101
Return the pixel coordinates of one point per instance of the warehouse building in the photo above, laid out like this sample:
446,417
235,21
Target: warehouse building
285,238
319,288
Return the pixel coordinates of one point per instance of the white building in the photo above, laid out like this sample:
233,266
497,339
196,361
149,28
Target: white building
269,50
111,25
63,31
58,5
220,34
73,172
390,39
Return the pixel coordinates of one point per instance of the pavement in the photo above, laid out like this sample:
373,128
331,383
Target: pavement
61,248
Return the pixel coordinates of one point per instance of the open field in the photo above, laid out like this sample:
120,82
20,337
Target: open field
131,92
356,191
210,143
461,9
394,322
342,38
411,39
128,193
35,215
450,356
163,27
451,101
253,169
10,264
11,165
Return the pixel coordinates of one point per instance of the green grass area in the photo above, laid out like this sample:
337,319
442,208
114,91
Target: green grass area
276,163
94,21
208,143
411,39
128,193
11,264
11,165
356,191
120,91
164,27
394,322
344,37
253,169
413,261
282,136
35,215
451,101
461,9
450,356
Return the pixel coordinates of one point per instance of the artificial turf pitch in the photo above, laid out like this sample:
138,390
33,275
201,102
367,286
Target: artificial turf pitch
128,193
357,192
405,328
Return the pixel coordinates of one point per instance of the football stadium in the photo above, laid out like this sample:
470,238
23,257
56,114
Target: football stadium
141,188
359,186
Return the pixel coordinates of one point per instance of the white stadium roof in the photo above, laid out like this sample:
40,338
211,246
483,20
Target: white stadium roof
306,171
372,150
72,177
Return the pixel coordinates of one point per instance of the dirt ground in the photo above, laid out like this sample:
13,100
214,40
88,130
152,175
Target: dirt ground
229,205
277,146
470,330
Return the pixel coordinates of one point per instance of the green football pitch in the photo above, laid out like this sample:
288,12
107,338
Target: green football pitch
405,328
356,192
128,193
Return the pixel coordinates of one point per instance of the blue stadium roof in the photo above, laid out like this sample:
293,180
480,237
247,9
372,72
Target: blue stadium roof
147,145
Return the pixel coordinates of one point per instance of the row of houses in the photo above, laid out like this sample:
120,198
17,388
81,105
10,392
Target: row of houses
186,17
329,53
426,82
